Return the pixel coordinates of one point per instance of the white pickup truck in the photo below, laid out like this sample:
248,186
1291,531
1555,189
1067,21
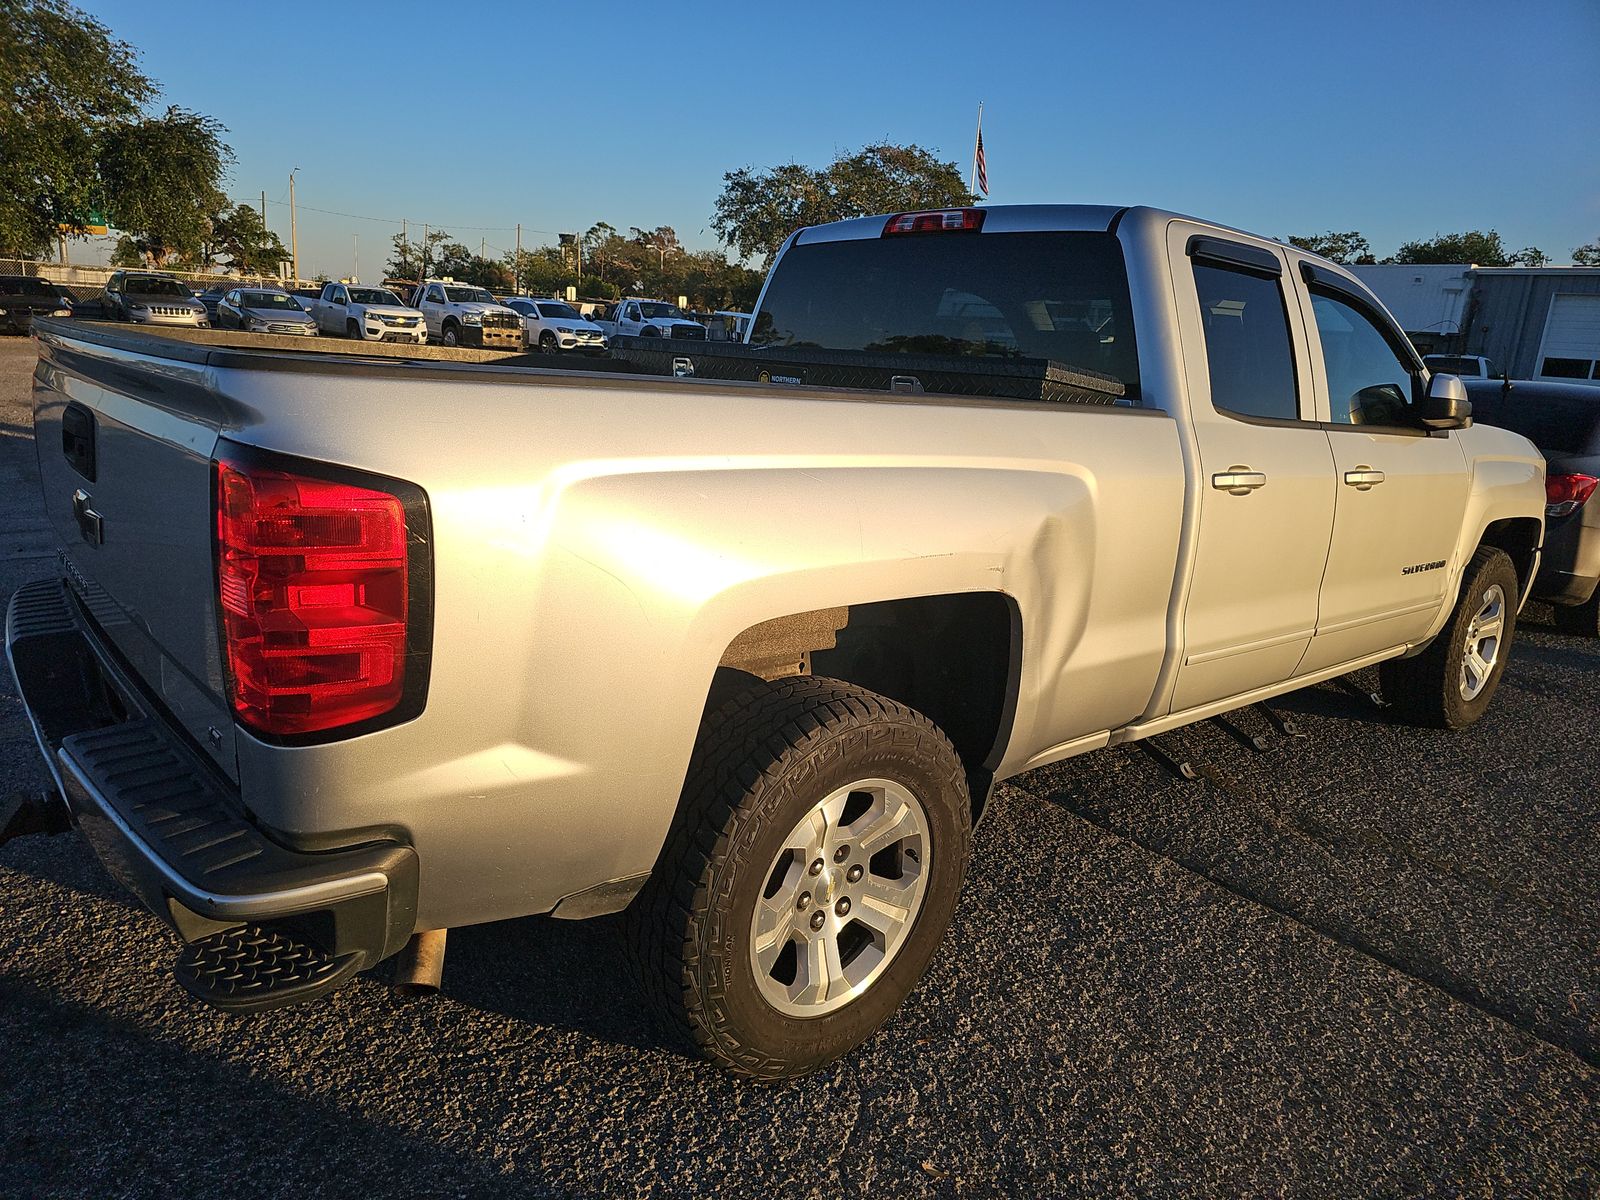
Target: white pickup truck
344,653
636,317
461,314
368,314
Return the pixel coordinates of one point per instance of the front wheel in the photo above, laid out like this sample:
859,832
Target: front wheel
547,342
1450,684
451,336
810,875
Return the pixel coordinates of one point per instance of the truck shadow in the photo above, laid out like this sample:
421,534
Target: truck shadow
570,975
189,1124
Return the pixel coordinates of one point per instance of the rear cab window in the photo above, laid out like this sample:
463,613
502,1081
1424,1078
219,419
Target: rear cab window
1249,352
1048,295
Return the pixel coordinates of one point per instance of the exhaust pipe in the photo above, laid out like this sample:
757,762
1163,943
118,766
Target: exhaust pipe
420,964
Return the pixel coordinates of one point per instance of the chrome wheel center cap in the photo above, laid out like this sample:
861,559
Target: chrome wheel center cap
827,886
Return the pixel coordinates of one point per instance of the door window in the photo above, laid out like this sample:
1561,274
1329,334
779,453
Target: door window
1248,353
1368,382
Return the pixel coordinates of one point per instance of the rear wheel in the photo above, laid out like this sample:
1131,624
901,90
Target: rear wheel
810,875
1450,684
1580,620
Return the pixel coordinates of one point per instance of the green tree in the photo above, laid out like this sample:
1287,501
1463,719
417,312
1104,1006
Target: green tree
414,258
162,178
1346,248
126,253
240,235
65,80
757,210
1474,246
1587,255
543,271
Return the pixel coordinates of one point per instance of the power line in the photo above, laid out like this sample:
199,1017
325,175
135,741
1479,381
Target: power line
398,220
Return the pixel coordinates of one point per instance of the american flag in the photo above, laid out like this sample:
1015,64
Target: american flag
983,166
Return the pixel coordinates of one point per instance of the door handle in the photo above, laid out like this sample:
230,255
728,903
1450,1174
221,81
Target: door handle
1238,480
1363,478
91,525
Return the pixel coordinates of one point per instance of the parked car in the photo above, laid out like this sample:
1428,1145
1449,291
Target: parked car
460,314
264,310
368,314
553,325
151,298
1465,366
1563,420
212,297
23,297
744,659
636,317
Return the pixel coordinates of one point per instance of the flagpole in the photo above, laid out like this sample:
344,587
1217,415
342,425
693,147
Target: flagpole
972,180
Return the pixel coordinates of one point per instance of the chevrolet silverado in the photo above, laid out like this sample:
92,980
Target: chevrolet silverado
343,652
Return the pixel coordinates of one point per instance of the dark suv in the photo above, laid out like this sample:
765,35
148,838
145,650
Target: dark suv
24,297
1563,420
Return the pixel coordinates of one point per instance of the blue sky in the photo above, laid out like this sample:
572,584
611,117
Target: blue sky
1398,119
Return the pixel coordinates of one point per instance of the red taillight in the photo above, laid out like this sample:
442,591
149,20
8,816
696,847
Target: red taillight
1565,494
313,582
943,220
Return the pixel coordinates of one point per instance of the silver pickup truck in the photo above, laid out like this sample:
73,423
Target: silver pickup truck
345,651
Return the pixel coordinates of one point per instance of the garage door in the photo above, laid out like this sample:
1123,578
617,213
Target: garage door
1571,347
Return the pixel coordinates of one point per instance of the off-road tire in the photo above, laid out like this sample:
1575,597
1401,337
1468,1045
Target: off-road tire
1426,689
1580,620
763,757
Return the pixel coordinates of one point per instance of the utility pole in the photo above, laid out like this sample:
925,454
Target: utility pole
405,244
264,227
516,264
294,233
355,275
424,272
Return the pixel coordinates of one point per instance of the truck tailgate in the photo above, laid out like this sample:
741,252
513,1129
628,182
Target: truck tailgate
125,443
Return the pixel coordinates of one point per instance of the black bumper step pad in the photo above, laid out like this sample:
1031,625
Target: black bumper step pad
251,968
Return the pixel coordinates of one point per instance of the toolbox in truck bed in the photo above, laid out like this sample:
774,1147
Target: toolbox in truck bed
1009,378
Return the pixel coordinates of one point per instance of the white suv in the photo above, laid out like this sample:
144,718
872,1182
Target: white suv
553,325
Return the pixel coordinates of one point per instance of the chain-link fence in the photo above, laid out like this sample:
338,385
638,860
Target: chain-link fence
85,283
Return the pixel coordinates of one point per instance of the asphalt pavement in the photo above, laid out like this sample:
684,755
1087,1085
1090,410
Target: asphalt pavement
1363,962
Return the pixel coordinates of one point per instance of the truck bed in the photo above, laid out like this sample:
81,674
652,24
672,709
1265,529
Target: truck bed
597,541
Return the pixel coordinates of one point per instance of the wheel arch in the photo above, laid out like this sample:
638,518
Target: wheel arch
1519,537
954,657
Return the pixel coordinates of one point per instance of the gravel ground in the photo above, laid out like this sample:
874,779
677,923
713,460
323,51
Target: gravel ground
1362,963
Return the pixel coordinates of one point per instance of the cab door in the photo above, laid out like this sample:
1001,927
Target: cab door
432,305
1266,478
1402,490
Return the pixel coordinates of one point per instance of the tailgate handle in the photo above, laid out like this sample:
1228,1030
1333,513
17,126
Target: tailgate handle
77,439
90,523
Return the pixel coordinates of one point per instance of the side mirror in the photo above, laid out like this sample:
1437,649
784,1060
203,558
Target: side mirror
1445,404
